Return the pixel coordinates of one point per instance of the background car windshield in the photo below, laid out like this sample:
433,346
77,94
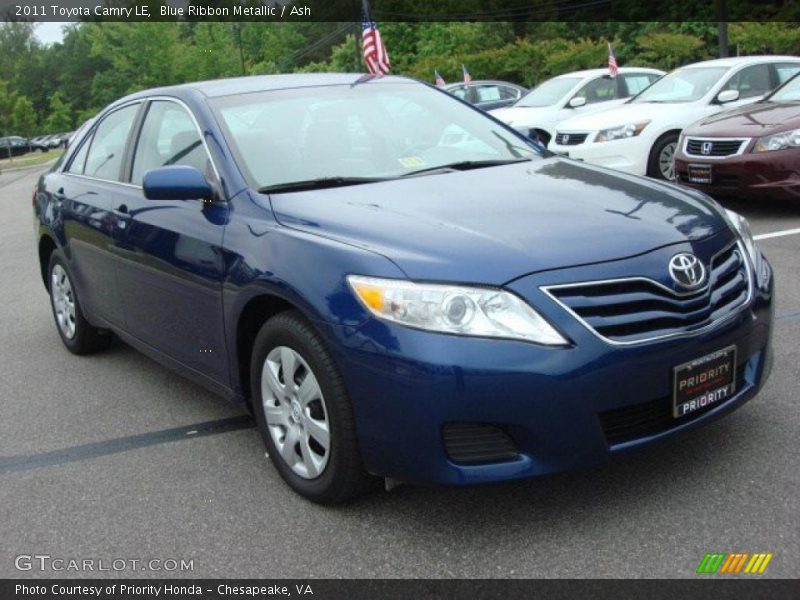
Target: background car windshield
683,85
549,92
373,129
788,93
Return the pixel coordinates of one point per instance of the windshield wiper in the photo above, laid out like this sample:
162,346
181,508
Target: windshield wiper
465,165
320,183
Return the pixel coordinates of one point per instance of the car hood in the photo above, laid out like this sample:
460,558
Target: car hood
754,120
495,224
630,112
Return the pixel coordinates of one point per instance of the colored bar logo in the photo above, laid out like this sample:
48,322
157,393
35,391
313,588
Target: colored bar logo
734,563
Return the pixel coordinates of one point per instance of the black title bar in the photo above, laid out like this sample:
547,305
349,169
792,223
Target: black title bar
419,589
399,10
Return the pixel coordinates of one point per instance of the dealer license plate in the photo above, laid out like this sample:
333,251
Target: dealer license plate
703,382
700,173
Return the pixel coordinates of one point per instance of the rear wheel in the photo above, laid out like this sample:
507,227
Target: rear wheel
662,155
303,412
78,335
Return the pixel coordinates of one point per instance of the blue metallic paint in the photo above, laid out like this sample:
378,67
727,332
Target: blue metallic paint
174,277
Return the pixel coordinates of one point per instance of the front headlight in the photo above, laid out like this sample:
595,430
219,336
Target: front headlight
742,227
778,141
623,131
761,267
460,310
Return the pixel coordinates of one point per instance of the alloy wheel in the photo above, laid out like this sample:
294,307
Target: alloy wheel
295,411
63,301
665,161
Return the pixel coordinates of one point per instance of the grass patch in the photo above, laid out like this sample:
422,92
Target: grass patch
30,159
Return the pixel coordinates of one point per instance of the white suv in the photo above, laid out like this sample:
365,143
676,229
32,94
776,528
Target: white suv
539,111
641,135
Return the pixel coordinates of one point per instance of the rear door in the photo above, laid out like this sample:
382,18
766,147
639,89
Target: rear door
170,252
83,198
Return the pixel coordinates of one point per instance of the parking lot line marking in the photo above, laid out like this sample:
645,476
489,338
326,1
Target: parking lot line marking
86,451
774,234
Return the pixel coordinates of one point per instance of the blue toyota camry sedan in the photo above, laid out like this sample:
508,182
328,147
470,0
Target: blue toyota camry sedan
396,284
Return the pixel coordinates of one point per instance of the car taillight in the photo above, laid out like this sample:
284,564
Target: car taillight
33,198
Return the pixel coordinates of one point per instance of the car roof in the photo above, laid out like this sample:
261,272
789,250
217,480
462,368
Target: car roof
482,82
594,72
261,83
736,61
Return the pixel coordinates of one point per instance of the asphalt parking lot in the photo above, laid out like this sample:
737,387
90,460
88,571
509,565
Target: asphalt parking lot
97,461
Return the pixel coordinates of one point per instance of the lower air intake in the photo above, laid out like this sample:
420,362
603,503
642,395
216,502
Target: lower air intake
477,443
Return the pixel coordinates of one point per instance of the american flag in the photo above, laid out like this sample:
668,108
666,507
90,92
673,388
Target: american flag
438,78
467,76
612,62
375,55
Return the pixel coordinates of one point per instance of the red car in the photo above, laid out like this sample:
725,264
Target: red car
749,152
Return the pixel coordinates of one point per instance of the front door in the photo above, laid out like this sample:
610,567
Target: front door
170,252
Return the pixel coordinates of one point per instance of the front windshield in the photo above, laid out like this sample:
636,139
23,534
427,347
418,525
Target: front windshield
683,85
790,92
375,129
548,93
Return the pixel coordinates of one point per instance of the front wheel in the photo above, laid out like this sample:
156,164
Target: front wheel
303,412
661,164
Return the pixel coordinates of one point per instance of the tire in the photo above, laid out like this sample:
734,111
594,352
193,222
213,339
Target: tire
78,335
663,149
301,417
541,135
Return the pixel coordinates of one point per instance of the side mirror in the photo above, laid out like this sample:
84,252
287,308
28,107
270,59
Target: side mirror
176,183
576,102
728,96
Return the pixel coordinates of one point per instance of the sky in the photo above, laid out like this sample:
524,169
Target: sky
47,33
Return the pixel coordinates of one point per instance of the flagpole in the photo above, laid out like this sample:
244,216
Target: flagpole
356,31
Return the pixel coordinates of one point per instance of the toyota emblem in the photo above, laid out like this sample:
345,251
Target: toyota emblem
687,270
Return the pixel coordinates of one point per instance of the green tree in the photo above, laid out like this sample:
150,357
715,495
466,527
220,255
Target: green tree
59,116
23,117
6,110
670,50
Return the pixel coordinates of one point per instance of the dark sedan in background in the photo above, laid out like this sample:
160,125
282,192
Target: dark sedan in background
397,285
487,94
749,152
15,145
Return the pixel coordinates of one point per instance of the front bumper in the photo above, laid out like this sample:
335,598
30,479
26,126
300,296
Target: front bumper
754,176
629,155
407,385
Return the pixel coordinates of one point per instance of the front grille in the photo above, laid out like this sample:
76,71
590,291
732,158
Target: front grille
649,418
477,443
638,309
571,139
710,147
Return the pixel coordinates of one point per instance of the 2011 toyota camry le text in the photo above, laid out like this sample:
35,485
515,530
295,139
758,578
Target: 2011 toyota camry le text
398,285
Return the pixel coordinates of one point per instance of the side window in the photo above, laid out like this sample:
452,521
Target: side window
104,158
598,90
169,137
460,92
786,71
508,93
636,82
79,160
488,93
750,81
